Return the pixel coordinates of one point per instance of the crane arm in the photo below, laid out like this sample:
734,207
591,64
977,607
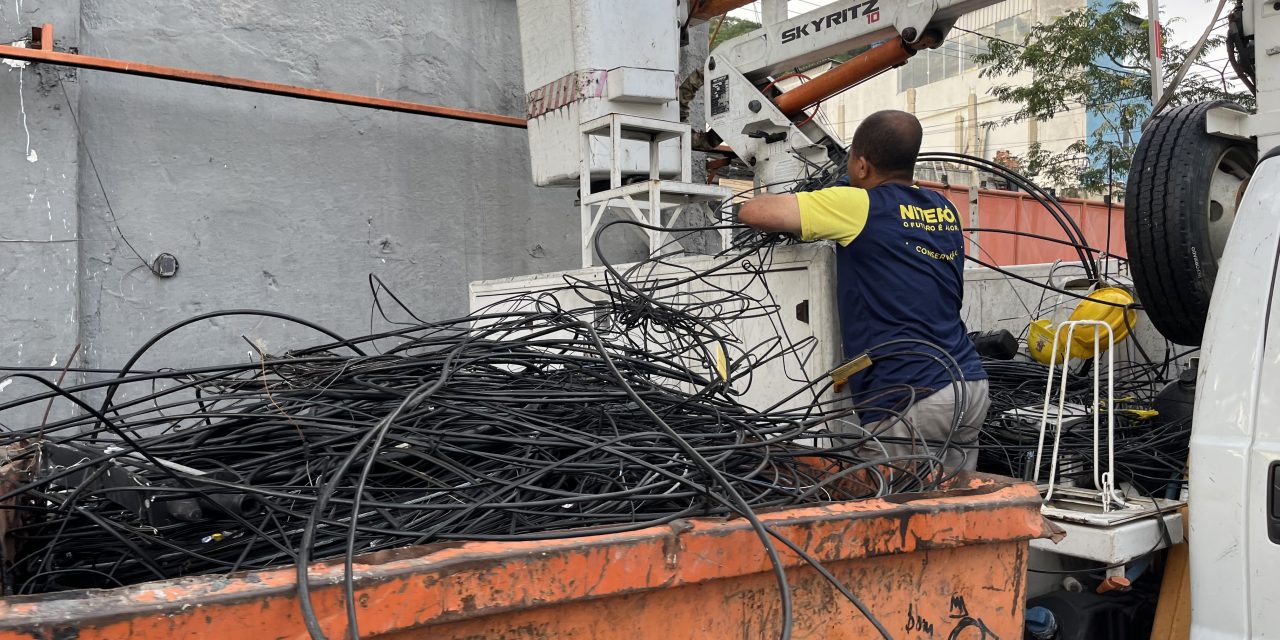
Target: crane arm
766,127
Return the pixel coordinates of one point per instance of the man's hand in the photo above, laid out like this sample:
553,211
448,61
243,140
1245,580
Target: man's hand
772,212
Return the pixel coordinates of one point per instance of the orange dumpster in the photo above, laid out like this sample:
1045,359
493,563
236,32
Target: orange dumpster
950,564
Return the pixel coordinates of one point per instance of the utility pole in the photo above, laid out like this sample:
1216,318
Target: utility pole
774,11
1155,47
975,178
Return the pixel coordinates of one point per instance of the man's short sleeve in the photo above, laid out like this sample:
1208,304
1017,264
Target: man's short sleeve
837,213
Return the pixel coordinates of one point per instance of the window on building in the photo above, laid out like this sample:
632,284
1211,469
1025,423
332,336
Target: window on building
955,56
970,45
937,64
1012,29
913,74
951,54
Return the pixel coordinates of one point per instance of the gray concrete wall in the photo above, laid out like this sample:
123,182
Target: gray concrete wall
266,202
288,205
40,246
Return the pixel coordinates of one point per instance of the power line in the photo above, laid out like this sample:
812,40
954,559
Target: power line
98,177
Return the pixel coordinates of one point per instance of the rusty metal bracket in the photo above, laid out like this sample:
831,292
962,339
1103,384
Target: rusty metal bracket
42,37
41,51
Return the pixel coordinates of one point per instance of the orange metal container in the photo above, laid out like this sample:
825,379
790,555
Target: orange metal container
945,565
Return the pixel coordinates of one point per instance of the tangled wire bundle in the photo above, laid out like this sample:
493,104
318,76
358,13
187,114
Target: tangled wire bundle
528,420
1151,451
510,431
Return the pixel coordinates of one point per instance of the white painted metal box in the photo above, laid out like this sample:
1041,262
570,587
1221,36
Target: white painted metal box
584,59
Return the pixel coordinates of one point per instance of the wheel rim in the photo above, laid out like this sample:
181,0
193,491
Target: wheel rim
1226,186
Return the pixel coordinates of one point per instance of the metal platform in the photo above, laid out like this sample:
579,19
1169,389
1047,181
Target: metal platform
1113,536
644,202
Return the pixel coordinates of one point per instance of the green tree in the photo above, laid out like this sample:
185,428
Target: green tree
1097,59
731,28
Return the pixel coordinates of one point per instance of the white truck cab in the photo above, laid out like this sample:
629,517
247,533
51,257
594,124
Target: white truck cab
1235,445
1201,171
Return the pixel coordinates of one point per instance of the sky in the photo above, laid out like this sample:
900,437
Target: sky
1194,16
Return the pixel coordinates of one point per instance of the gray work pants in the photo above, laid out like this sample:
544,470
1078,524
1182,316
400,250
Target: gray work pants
930,420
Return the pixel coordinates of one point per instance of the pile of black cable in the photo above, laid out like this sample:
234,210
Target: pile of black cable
508,426
1007,443
1150,448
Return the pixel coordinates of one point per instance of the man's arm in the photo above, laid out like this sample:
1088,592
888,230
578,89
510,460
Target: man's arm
772,212
837,213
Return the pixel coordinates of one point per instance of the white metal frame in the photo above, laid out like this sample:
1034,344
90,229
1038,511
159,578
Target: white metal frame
645,201
1125,529
616,124
1107,492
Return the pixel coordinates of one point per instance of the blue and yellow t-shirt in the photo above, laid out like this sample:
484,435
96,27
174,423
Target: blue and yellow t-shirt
900,274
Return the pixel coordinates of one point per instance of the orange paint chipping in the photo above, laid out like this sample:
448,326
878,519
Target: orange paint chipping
924,564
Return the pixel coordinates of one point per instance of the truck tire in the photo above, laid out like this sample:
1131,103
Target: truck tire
1180,201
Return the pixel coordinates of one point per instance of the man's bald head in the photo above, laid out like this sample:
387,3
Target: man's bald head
889,141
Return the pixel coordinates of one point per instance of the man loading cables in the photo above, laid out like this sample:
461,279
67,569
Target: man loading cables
899,276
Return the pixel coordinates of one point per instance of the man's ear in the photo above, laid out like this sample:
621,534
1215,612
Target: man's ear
860,168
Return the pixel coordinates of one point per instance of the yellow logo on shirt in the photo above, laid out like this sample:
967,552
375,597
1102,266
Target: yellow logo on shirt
950,256
934,219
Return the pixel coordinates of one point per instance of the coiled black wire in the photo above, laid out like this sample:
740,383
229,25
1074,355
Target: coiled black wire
526,420
1038,193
